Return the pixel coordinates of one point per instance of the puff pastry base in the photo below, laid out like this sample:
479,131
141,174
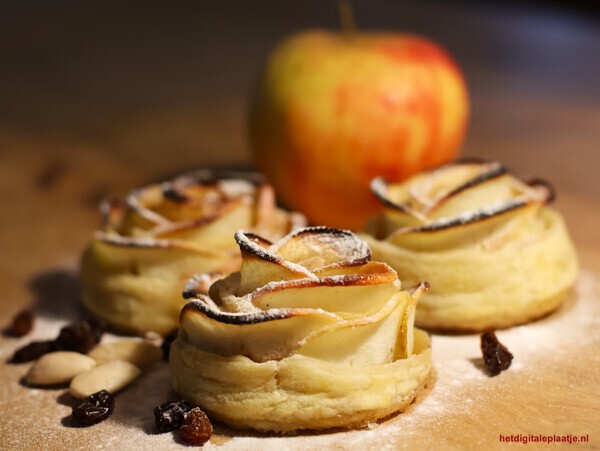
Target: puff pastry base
138,289
474,289
296,392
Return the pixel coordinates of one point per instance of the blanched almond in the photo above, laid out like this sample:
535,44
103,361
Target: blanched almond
141,353
111,376
58,367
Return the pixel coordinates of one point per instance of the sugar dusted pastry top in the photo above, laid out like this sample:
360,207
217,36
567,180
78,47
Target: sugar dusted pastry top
313,301
135,267
493,251
477,204
307,294
200,209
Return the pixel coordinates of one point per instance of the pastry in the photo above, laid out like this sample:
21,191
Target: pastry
309,334
134,270
493,251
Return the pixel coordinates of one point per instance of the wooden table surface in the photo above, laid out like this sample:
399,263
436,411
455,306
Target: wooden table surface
99,98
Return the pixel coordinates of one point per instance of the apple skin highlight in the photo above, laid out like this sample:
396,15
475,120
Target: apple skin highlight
330,113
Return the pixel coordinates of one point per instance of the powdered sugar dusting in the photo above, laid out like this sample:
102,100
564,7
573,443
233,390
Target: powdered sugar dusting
461,403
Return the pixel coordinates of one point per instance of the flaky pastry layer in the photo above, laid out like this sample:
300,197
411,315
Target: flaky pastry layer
494,253
134,269
296,392
476,289
309,334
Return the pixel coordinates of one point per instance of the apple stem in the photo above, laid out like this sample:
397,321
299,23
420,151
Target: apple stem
346,19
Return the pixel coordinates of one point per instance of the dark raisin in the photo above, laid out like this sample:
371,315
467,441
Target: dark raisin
98,327
169,415
80,336
22,324
196,428
496,356
32,351
167,342
94,408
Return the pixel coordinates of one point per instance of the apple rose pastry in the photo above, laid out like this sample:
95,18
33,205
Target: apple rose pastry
493,251
309,334
135,268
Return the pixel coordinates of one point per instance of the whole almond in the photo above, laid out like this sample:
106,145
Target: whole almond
58,368
110,376
141,353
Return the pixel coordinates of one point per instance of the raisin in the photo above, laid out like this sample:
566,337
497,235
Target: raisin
94,408
80,336
22,324
167,342
32,351
98,327
496,356
196,428
169,415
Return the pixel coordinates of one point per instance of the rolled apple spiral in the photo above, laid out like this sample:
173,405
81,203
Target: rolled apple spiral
494,253
309,334
134,270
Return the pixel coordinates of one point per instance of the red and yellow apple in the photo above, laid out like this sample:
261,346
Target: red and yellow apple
331,112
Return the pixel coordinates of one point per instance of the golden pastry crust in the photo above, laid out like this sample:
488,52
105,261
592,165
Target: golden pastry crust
297,392
134,270
494,253
309,334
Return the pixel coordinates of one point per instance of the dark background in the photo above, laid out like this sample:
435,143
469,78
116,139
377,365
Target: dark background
151,79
